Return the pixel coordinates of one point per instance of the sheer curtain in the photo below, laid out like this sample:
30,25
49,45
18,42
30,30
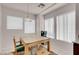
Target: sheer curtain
49,27
66,26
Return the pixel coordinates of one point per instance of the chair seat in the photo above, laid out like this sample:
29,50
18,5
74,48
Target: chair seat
20,48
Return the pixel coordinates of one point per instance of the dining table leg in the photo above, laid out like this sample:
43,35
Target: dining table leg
48,45
26,50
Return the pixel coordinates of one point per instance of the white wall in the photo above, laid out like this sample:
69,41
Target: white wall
7,41
38,25
57,46
41,21
0,27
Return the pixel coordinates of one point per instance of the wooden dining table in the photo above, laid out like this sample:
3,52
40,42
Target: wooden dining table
35,41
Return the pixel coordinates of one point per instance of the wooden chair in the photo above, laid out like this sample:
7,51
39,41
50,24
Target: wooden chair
18,46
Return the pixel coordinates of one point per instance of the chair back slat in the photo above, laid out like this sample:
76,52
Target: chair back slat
17,41
14,42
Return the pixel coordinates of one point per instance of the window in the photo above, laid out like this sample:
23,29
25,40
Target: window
14,22
49,27
66,27
29,26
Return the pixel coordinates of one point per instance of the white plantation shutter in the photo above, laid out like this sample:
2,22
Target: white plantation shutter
29,27
14,22
49,27
66,27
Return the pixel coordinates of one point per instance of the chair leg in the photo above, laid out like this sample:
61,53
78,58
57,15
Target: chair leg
15,53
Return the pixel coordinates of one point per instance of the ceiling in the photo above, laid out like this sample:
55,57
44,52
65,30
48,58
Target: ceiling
33,7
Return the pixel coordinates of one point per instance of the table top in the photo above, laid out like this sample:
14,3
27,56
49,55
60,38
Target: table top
34,39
